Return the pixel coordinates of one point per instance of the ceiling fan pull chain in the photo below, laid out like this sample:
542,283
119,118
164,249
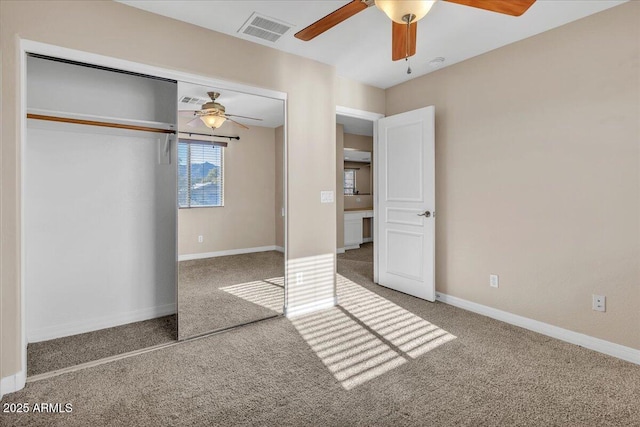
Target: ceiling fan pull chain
406,58
406,53
408,18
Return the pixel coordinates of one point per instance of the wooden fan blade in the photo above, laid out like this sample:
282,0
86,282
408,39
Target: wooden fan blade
242,117
508,7
399,40
331,20
239,124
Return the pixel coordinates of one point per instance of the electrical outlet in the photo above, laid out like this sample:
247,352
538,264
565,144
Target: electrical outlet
300,278
599,303
493,280
200,239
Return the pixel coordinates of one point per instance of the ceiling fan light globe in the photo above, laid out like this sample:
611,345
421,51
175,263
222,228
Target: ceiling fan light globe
213,122
397,9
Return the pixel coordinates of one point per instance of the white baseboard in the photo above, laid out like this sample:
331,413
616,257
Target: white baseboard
311,307
367,240
616,350
340,250
12,383
88,325
189,257
348,248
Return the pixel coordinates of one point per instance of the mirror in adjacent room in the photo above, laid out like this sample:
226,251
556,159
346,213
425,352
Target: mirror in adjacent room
230,209
358,179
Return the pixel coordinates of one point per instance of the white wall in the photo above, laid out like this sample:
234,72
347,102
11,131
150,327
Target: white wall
58,86
99,208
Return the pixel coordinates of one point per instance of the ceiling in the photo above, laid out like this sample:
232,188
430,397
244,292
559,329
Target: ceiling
360,48
355,126
270,110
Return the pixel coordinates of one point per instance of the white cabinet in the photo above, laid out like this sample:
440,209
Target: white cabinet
353,228
352,231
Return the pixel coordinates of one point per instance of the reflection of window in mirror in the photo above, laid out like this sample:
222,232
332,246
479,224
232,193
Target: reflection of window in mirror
349,182
199,174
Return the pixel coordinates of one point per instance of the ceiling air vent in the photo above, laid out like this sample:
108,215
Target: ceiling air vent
264,28
193,100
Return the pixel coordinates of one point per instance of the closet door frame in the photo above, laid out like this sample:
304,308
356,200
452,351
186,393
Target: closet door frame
33,47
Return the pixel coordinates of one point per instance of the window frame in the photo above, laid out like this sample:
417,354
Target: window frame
189,143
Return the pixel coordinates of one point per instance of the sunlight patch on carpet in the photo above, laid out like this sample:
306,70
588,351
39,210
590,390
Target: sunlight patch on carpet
366,335
410,333
351,353
268,293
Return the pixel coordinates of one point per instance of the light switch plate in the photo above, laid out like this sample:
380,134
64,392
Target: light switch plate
326,197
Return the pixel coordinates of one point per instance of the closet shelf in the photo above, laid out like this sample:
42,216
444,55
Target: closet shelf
92,120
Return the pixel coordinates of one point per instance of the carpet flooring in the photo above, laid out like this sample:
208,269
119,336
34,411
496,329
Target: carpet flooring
215,293
47,356
364,254
211,291
381,358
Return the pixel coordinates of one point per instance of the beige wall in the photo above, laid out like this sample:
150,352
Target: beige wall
339,186
279,186
248,216
358,142
366,227
358,202
538,174
112,29
352,94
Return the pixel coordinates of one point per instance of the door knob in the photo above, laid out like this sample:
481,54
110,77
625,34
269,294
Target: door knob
426,214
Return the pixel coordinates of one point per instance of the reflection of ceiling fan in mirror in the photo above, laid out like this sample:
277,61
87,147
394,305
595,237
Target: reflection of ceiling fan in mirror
213,114
405,15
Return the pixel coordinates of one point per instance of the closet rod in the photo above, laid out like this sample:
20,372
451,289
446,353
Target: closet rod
96,123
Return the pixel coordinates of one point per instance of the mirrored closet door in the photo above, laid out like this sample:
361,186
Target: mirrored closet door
230,209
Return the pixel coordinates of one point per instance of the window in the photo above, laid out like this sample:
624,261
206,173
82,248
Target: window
349,181
200,173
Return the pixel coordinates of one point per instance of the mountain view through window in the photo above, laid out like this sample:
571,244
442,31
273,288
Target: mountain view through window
200,175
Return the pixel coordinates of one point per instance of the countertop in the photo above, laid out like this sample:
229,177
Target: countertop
358,209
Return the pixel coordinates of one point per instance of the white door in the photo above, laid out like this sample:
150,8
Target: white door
405,230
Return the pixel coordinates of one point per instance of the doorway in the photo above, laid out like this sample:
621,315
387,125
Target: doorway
356,188
403,192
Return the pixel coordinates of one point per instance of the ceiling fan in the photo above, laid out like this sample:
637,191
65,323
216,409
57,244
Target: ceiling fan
213,114
405,15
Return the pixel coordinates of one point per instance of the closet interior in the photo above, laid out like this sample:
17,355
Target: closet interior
99,209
